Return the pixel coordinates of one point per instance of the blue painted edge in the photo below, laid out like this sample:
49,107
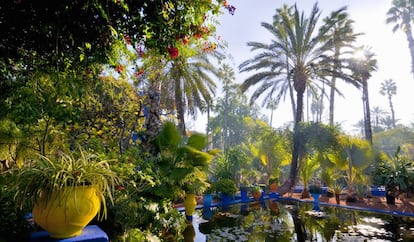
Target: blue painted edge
91,233
277,197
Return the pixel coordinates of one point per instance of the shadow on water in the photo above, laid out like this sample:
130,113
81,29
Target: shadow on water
295,221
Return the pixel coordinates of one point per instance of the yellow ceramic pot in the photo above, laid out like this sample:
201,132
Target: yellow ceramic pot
66,217
190,204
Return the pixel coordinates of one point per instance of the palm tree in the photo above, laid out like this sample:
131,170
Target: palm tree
274,77
378,114
389,88
297,44
401,14
304,54
189,86
227,76
362,65
339,36
388,122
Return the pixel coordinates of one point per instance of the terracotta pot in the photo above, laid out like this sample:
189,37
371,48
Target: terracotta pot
66,216
273,187
256,195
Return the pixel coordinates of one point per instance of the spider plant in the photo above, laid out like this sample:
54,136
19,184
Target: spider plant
62,173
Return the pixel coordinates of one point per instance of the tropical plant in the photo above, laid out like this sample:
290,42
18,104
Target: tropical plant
352,157
389,88
308,169
271,148
336,188
63,173
401,14
181,161
395,173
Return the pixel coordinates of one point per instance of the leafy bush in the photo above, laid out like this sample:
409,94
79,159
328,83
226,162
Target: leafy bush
226,186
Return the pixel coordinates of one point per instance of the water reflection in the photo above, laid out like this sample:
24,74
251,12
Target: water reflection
269,220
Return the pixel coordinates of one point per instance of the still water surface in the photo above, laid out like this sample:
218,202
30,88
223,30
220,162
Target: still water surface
294,221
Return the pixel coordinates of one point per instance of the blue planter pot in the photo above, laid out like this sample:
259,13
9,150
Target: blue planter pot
243,193
316,201
207,213
226,199
207,200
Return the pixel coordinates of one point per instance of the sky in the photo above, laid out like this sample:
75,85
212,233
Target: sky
390,49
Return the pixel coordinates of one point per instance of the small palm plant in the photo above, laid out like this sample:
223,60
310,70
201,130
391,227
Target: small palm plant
337,189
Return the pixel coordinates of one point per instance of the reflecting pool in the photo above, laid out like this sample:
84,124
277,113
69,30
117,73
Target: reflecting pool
270,220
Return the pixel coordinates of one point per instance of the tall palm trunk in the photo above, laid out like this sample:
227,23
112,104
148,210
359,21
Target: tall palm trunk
179,105
392,111
297,142
367,111
410,40
333,89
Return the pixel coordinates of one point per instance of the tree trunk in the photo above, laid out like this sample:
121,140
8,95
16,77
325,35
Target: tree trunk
337,198
332,101
410,40
392,111
297,143
179,106
367,112
152,121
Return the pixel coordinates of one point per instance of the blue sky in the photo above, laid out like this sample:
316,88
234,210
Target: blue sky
391,50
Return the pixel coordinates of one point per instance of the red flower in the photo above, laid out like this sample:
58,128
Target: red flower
119,69
173,52
140,72
127,39
197,35
185,40
119,187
